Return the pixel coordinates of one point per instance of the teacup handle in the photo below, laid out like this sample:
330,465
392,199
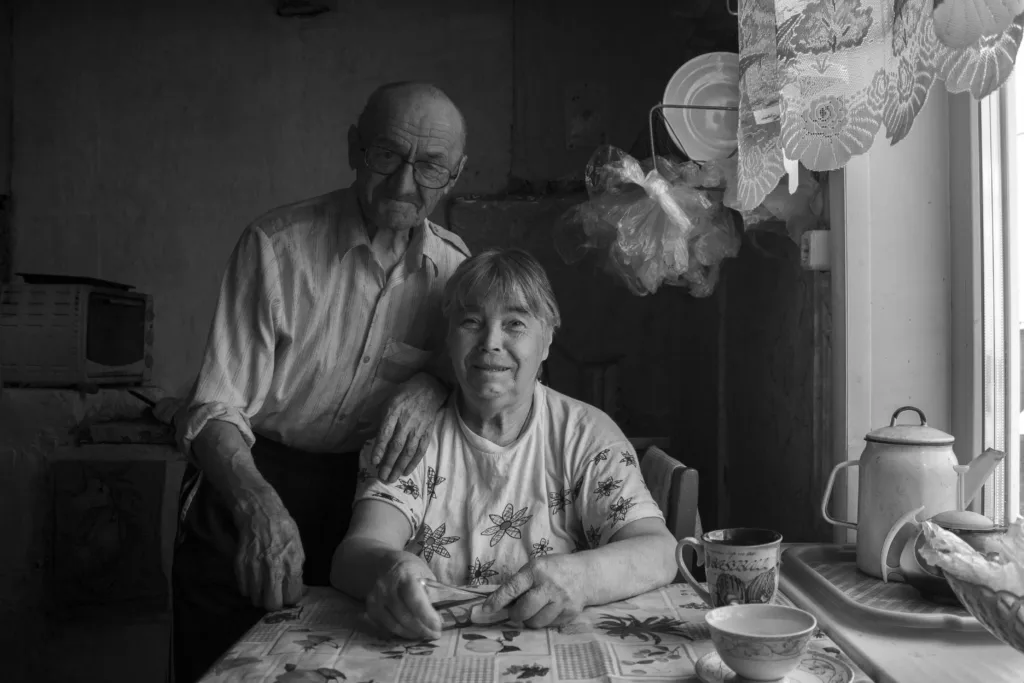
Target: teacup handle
698,547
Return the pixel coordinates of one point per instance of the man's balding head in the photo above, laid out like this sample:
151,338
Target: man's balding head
390,96
408,150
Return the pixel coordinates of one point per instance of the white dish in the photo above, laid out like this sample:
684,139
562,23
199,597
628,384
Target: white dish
713,80
814,667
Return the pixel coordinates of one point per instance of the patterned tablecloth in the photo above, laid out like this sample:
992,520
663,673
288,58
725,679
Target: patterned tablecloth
656,636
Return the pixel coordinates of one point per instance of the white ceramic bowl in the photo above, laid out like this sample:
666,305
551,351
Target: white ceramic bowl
761,642
710,80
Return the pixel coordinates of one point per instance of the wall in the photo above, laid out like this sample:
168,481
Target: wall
148,134
776,335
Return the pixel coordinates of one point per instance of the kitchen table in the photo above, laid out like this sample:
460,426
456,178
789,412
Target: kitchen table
657,636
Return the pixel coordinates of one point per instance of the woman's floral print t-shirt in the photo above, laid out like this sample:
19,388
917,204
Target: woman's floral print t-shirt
480,511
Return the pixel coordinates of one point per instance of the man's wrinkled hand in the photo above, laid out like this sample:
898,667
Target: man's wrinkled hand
405,429
268,563
399,604
547,591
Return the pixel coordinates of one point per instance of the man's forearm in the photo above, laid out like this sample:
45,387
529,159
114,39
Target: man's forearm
629,567
227,462
359,562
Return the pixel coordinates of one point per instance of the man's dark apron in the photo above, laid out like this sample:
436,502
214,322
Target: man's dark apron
209,612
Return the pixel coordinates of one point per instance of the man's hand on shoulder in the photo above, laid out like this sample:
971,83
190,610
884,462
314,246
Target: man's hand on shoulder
405,428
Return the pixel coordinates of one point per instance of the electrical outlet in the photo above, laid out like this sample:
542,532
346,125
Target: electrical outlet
815,253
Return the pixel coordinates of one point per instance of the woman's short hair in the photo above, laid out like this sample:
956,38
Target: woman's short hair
507,275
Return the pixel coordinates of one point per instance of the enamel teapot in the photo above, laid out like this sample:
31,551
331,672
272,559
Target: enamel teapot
903,468
901,558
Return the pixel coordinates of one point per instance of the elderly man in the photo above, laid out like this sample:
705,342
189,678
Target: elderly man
328,326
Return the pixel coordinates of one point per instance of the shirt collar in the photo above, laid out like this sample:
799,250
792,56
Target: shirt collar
352,233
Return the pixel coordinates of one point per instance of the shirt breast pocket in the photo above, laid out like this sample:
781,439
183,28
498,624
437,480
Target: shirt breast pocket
400,362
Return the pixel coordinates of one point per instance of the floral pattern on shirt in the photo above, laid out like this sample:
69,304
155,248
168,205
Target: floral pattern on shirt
506,524
479,516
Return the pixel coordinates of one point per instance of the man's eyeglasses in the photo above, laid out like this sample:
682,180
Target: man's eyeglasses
426,174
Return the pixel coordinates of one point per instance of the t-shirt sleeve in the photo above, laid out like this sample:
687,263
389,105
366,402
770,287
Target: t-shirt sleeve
610,492
407,494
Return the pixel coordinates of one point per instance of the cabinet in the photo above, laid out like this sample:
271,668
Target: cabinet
114,521
88,533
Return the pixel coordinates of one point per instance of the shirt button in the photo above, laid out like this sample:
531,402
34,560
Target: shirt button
366,359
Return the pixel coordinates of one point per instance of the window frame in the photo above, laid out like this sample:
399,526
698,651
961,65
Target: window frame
856,295
998,119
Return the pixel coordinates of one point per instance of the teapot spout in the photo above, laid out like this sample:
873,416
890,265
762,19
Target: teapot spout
980,470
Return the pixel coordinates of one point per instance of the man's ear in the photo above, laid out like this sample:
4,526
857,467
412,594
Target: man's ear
458,174
355,148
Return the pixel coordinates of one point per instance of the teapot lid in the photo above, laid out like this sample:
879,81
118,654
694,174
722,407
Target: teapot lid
910,435
963,520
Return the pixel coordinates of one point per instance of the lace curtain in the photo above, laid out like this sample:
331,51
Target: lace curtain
819,79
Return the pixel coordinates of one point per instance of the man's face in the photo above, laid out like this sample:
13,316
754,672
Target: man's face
416,129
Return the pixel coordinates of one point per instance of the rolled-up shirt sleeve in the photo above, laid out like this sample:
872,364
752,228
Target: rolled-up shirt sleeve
238,363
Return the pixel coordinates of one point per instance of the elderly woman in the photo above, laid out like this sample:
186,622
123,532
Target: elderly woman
521,486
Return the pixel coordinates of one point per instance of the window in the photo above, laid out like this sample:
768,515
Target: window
1001,145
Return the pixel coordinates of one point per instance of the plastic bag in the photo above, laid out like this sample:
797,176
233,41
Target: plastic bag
655,228
1002,571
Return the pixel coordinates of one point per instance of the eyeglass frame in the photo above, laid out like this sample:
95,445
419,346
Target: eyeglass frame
452,175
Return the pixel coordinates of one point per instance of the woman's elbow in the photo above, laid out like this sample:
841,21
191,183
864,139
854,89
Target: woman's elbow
668,569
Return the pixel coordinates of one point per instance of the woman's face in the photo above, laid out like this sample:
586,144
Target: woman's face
496,349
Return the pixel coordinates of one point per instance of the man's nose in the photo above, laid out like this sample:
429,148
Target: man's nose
405,180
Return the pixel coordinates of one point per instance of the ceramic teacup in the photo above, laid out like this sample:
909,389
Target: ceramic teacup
742,565
761,642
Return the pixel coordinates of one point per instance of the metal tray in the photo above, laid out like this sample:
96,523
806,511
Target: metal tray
829,575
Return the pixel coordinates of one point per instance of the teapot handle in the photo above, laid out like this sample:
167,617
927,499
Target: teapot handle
889,538
920,414
828,495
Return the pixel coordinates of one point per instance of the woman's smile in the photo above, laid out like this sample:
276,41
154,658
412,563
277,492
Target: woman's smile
491,368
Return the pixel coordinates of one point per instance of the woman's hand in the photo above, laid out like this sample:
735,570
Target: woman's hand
399,603
546,591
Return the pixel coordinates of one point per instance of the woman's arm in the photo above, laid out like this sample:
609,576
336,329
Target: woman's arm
555,588
374,546
640,557
371,564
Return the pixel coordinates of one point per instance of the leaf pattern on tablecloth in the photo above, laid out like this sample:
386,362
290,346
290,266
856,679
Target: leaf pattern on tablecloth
652,628
420,648
293,674
480,643
526,671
